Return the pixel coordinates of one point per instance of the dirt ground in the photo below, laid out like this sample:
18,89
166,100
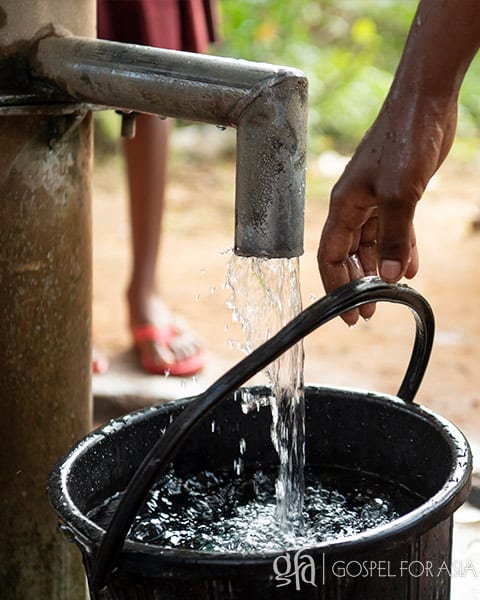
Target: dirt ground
199,232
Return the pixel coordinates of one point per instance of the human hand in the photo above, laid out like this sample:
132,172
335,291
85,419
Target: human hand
369,228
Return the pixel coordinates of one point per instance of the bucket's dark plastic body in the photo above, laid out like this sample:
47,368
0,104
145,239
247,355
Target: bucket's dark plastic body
406,559
347,429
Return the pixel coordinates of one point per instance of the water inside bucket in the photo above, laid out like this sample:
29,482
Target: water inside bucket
223,512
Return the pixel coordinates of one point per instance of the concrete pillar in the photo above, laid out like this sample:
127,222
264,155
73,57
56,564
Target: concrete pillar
45,315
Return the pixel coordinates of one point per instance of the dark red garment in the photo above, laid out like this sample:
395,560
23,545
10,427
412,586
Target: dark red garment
188,25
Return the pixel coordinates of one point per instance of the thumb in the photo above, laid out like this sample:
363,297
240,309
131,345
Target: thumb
390,270
395,230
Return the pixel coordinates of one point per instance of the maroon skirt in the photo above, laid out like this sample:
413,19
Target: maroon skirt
188,25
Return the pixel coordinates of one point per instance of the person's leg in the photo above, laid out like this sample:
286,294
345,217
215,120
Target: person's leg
146,155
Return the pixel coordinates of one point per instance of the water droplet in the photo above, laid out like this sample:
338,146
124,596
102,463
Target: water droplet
238,466
242,445
235,345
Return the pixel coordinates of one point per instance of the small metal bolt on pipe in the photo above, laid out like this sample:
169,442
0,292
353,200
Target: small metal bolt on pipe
267,105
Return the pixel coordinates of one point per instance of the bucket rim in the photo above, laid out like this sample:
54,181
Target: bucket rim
87,534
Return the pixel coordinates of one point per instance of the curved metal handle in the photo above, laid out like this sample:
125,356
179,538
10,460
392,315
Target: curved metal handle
352,295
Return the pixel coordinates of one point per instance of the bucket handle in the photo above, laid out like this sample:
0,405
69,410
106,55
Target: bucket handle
352,295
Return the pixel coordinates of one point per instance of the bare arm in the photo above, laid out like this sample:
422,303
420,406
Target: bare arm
369,228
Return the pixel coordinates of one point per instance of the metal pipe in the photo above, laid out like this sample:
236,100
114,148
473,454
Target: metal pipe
45,316
267,104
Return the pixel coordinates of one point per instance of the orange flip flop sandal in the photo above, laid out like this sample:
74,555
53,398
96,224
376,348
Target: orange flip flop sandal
163,337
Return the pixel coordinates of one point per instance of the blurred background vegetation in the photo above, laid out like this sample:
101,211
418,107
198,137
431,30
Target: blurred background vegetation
348,49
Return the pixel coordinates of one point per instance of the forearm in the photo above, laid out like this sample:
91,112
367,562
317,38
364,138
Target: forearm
369,227
443,39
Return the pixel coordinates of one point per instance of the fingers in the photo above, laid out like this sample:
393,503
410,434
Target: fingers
412,268
347,246
367,248
360,238
357,270
339,269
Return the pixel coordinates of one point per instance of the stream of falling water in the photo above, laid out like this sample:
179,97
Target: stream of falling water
245,511
265,297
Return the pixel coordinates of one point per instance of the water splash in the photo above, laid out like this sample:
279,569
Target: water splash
214,511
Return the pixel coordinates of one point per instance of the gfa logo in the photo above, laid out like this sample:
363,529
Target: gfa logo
300,568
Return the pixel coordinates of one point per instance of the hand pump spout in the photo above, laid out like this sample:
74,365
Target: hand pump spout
266,104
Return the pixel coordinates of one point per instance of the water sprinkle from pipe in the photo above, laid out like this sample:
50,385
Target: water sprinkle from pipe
265,297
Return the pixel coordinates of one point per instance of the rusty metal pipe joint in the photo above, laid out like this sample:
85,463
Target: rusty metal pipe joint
267,104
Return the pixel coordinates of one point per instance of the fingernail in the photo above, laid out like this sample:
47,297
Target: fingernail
390,270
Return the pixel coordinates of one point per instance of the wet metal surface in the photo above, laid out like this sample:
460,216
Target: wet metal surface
267,104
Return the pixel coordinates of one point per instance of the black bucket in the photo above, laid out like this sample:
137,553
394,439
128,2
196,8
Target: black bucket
354,430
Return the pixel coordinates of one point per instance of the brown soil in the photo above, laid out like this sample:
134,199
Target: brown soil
373,355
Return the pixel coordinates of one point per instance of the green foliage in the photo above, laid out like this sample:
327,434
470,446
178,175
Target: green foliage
107,132
348,49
